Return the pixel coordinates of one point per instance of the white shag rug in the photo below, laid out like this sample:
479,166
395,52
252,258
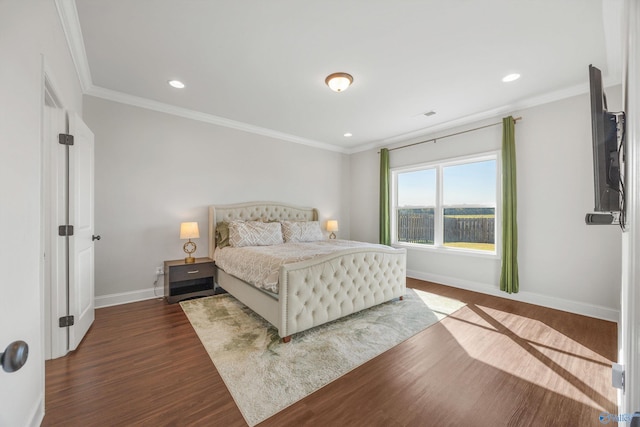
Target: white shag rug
265,375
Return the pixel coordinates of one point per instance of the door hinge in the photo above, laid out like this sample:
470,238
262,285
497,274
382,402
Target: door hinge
65,139
65,230
66,321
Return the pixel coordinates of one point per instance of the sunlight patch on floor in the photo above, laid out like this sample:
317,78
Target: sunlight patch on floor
441,306
544,356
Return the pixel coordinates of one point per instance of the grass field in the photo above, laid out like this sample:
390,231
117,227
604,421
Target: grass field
475,246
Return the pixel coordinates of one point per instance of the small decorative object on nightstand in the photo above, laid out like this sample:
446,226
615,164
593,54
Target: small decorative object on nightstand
187,280
332,225
189,230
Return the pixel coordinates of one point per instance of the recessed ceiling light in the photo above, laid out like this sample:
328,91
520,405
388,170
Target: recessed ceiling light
176,83
511,77
348,135
429,113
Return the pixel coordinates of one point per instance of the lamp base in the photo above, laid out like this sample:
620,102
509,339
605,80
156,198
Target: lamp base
189,248
332,235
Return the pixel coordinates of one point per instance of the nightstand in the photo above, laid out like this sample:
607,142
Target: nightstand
182,280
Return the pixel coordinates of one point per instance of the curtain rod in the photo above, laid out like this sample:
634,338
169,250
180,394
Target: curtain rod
451,134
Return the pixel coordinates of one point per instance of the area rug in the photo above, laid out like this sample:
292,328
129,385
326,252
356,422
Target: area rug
265,375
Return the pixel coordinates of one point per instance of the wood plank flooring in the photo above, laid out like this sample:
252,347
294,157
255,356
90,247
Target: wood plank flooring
495,362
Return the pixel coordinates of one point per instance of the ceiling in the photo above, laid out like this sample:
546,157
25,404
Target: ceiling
260,65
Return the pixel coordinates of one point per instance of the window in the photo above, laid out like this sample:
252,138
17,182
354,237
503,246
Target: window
416,205
451,204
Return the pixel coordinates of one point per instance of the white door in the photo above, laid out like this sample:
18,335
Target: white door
81,215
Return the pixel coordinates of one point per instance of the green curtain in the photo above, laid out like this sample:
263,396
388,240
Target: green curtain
509,273
385,225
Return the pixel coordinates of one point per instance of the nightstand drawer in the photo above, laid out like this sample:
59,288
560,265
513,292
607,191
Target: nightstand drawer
191,271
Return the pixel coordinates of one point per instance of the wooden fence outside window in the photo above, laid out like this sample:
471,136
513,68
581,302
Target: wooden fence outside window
418,227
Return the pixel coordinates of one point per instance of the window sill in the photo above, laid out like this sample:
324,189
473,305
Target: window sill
447,250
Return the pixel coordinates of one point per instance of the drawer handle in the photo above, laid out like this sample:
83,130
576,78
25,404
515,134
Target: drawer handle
193,272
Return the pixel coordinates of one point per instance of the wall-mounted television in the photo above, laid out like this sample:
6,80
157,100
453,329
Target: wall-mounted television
607,159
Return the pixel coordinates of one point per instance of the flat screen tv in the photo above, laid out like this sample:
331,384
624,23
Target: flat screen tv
606,159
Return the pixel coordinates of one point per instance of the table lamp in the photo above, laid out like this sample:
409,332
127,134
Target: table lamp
332,225
189,230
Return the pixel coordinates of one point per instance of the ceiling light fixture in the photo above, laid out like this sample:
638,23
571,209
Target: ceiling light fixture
511,77
348,135
339,82
176,83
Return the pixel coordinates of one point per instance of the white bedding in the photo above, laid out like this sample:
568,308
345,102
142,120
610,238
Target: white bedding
260,265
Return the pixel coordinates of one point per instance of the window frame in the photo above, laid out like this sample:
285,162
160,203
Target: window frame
438,241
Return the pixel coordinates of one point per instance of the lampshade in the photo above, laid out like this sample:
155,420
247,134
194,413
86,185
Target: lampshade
189,230
332,225
338,82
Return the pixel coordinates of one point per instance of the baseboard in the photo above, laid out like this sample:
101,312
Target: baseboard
38,412
127,297
584,309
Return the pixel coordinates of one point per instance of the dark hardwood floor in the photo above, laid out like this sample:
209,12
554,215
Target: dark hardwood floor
495,362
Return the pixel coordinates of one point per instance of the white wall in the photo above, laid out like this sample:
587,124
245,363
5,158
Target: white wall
29,31
155,170
563,263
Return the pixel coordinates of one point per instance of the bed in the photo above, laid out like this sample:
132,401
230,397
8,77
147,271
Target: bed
313,291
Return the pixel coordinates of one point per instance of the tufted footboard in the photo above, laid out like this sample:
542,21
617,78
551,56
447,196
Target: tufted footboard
327,288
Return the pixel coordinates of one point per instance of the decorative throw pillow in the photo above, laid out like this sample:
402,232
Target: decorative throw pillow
222,234
254,233
301,231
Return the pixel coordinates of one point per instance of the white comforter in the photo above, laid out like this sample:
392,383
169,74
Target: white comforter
260,265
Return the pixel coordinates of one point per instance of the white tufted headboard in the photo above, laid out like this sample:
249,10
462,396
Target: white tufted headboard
251,211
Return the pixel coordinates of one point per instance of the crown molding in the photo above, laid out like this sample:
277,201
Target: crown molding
149,104
73,33
71,25
473,118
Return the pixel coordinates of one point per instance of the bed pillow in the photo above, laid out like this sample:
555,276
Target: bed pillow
301,231
254,233
222,234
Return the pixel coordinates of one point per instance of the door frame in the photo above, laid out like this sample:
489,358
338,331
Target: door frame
55,339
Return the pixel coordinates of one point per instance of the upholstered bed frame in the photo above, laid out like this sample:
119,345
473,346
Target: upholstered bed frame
318,290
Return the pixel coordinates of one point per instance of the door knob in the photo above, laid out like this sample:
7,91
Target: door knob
95,238
14,356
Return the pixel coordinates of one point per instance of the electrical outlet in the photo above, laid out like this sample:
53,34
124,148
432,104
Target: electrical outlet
617,376
159,271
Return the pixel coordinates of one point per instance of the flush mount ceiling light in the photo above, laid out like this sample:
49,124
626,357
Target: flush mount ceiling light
338,82
176,83
511,77
348,135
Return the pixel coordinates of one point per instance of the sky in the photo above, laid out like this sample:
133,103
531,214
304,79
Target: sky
465,184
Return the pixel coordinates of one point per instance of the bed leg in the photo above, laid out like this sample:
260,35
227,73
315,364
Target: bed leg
286,339
401,297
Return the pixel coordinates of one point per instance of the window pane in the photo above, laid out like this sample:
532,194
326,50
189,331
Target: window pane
415,225
470,184
417,188
470,228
